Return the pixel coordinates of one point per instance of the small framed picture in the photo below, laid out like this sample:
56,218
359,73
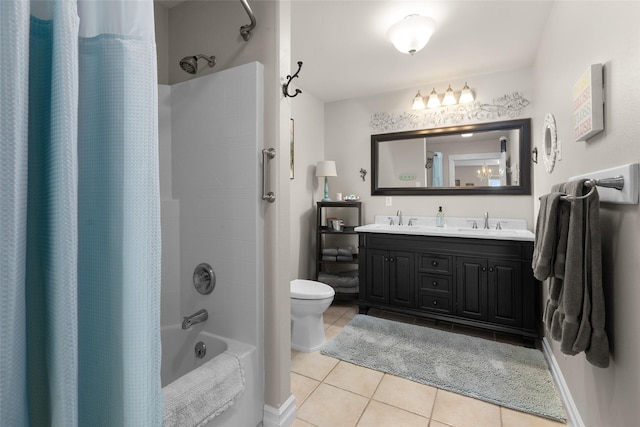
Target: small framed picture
291,149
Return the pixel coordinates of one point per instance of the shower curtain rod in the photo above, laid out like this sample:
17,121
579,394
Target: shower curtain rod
245,30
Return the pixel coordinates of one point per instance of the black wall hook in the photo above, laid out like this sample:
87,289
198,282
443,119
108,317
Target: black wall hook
534,155
285,87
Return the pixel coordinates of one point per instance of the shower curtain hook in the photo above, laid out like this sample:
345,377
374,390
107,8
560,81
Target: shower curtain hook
285,87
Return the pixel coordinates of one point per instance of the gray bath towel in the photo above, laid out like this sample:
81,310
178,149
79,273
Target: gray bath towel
574,313
345,251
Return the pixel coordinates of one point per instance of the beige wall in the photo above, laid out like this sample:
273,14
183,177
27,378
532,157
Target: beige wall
348,142
308,114
161,15
579,34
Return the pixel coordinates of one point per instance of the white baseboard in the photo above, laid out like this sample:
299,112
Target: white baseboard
283,416
573,416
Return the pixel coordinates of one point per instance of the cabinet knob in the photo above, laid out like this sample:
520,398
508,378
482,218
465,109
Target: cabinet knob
392,259
435,283
491,269
434,263
484,268
386,259
435,302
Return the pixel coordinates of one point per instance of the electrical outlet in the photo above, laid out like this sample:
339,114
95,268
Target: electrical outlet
387,201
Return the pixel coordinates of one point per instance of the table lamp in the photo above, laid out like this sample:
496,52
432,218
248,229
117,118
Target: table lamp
326,168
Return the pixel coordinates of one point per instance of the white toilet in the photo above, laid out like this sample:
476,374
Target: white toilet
309,299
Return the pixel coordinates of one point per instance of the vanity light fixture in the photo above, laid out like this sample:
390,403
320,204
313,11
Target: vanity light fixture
466,96
326,168
412,33
466,135
418,102
449,97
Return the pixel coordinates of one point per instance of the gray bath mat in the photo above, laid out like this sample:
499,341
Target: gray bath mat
508,375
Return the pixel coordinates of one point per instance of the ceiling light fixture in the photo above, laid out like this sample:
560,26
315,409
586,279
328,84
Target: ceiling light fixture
466,96
418,102
412,33
484,173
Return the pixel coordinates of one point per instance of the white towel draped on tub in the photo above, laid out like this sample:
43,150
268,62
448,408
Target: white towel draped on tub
204,393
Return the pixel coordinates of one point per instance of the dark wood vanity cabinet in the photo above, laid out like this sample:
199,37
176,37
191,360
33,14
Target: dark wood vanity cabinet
391,276
475,282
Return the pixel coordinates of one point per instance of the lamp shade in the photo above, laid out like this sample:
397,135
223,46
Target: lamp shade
433,101
449,97
418,102
412,33
466,95
326,168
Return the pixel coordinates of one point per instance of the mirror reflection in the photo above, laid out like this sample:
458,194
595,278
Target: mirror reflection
489,158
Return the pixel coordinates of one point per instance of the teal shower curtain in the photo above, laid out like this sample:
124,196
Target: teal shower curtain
79,214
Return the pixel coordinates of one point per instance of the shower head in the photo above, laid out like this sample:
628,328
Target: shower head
190,63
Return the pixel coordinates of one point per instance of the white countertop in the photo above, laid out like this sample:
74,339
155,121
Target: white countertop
511,229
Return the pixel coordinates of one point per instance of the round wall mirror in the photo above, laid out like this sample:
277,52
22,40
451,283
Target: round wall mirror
550,144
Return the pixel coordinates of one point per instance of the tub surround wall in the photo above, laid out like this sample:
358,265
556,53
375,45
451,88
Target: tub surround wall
214,212
217,132
572,41
169,216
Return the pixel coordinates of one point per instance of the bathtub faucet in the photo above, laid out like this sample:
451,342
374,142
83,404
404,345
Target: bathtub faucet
197,317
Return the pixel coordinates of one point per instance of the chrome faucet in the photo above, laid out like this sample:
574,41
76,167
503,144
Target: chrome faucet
197,317
486,220
411,221
399,215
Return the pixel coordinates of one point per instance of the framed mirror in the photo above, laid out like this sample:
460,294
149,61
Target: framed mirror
487,158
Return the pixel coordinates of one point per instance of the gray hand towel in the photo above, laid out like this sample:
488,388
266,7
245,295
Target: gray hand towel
546,237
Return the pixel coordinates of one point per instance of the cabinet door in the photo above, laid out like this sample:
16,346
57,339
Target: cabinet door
377,284
505,293
471,287
401,278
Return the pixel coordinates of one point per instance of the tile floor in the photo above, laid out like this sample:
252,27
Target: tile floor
333,393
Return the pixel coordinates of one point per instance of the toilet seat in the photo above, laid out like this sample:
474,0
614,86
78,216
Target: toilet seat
310,290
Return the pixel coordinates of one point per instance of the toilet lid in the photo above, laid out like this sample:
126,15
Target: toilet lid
309,289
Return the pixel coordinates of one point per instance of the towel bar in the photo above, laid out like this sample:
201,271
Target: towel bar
616,182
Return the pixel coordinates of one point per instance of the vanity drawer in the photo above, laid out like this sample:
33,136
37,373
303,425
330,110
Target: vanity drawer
434,303
433,263
433,283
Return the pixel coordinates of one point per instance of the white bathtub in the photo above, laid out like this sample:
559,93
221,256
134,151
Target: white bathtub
179,358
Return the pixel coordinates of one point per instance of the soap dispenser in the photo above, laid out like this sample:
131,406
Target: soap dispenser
440,218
